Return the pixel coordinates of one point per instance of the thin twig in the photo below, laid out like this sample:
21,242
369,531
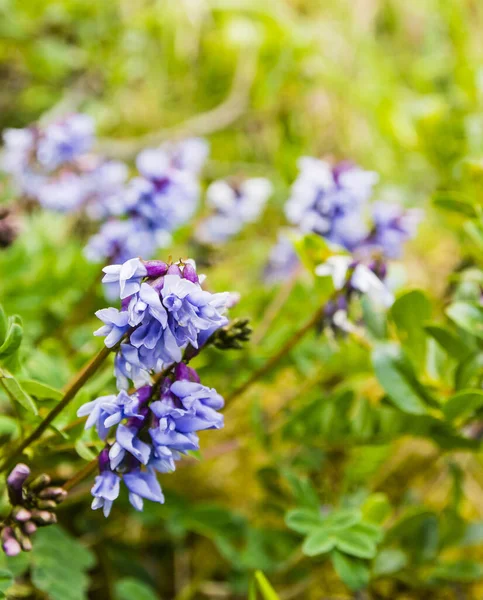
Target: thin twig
82,474
271,363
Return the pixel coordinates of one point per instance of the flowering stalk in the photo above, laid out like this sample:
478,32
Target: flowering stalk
165,319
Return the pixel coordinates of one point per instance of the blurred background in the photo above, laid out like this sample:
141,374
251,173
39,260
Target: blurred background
394,85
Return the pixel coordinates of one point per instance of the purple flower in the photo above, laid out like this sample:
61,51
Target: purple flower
393,226
63,141
330,201
106,411
147,303
191,309
126,277
116,325
127,441
143,484
201,403
105,491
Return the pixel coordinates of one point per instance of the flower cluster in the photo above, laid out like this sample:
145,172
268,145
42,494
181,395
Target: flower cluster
332,201
164,311
33,505
352,278
162,198
234,204
51,164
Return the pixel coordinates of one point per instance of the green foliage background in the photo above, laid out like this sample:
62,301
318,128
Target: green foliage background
374,436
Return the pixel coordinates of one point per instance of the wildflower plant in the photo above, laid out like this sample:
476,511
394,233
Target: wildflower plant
346,460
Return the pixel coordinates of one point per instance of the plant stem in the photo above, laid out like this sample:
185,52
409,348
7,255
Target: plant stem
272,362
275,307
73,387
82,474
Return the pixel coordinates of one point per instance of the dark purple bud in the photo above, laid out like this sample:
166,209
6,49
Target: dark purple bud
174,270
18,476
43,517
53,493
39,483
10,545
104,459
183,372
29,527
189,273
156,268
20,514
144,393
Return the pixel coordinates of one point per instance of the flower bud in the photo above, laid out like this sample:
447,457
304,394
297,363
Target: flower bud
15,481
182,371
29,527
10,545
20,514
39,483
43,517
23,539
53,493
189,273
174,270
46,504
156,268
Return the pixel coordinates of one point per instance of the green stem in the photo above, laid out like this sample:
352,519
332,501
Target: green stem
270,364
74,386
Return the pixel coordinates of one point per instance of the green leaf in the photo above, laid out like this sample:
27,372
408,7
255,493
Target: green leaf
342,519
6,580
451,201
409,312
389,561
12,341
266,589
59,565
475,231
318,542
303,520
352,571
467,316
397,379
3,325
376,508
40,390
356,543
15,391
83,451
9,427
133,589
454,346
461,571
464,402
